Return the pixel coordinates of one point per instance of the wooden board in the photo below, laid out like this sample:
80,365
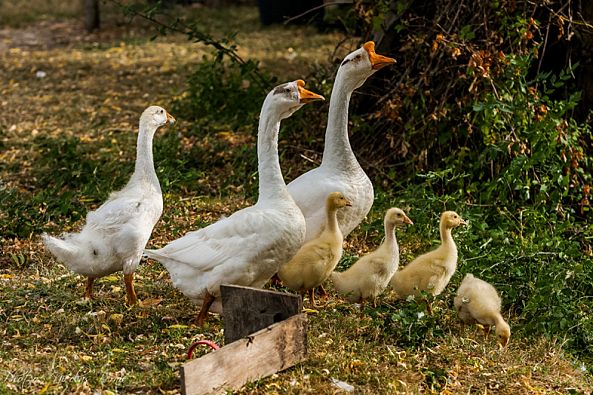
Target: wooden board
261,354
247,310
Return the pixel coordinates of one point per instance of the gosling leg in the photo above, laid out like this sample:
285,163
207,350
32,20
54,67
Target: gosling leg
321,291
312,296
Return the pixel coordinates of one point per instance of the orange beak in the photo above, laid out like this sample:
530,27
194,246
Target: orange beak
306,96
170,118
407,220
377,61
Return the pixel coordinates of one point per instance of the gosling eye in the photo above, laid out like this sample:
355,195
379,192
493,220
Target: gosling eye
357,57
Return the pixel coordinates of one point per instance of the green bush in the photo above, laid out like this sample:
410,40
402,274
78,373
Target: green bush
221,95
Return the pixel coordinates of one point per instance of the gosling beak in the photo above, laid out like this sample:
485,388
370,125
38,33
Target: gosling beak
462,221
170,119
348,203
407,220
306,96
377,61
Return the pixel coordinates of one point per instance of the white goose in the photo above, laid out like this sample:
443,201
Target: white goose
116,233
248,247
339,169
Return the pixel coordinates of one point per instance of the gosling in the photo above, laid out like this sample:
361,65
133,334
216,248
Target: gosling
316,259
478,301
370,275
431,271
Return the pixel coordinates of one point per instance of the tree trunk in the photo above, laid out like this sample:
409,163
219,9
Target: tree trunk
92,20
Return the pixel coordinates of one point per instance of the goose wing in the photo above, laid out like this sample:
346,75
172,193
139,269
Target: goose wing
235,240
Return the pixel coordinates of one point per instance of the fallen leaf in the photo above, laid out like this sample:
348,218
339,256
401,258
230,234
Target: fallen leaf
177,326
150,302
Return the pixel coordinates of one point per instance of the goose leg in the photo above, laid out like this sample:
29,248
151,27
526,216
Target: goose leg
208,300
321,291
486,330
130,293
88,290
312,296
275,281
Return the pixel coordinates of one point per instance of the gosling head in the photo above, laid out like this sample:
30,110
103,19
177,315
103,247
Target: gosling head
451,219
397,217
362,63
503,333
156,116
337,200
291,96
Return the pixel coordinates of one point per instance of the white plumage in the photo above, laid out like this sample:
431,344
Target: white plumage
339,170
248,247
115,234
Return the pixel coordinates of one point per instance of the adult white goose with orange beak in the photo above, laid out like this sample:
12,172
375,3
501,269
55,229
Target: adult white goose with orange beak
116,233
249,246
339,170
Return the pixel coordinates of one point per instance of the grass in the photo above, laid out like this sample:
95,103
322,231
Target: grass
67,140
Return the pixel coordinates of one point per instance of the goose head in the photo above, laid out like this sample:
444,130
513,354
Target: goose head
337,200
397,217
289,97
359,65
451,219
155,117
503,333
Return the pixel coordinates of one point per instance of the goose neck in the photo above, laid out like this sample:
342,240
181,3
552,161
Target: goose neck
271,182
332,219
390,240
144,168
446,237
499,322
337,149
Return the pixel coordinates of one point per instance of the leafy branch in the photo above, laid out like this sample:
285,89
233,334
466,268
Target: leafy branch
223,47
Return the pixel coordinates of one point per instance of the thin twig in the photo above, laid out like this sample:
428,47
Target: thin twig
195,35
316,8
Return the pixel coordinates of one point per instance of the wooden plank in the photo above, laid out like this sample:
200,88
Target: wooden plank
247,310
261,354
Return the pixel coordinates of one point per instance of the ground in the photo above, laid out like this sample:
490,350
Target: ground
56,82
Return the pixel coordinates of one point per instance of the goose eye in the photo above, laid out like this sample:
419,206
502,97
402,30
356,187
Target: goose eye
161,111
357,57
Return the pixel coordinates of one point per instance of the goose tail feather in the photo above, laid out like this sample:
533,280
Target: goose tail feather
63,250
